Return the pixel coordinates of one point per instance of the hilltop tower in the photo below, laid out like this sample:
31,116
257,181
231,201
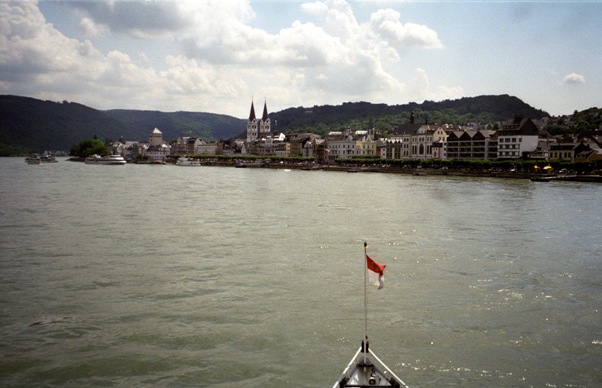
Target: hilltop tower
258,129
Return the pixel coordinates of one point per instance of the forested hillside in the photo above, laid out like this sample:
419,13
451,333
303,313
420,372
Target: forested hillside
482,109
31,125
207,126
577,123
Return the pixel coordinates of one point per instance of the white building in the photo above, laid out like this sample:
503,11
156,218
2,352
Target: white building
157,150
517,137
340,145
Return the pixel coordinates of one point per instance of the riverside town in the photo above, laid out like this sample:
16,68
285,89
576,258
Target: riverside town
518,147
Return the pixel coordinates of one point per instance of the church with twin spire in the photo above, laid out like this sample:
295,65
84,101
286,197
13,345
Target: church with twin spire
258,129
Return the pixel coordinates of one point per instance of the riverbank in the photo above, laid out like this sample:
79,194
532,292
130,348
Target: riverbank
390,169
438,172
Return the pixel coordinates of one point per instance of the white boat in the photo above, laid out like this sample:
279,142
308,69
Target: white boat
108,160
365,369
188,162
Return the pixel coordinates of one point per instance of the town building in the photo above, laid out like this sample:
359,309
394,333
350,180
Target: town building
340,145
568,152
187,145
398,145
212,148
365,143
302,144
157,150
472,144
517,138
258,129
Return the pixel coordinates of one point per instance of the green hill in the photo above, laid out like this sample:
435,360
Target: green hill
207,126
30,125
482,109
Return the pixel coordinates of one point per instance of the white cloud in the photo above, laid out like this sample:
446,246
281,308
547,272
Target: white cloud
573,79
317,8
145,20
88,28
217,62
387,25
31,49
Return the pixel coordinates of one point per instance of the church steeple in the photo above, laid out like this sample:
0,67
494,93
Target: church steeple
252,128
265,127
252,114
264,117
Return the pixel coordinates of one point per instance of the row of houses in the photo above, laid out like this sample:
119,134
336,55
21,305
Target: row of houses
515,138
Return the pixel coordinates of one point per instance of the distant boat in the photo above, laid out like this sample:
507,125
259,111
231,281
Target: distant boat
187,162
48,159
365,369
257,163
543,178
116,160
33,160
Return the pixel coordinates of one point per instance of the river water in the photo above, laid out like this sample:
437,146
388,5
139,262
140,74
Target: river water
144,275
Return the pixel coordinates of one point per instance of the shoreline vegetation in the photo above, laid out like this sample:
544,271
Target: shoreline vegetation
536,170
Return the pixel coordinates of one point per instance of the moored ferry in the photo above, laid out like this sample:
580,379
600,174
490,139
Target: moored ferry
108,160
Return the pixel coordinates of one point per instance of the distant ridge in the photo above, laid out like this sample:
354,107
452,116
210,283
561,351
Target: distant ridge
207,126
31,125
482,109
35,125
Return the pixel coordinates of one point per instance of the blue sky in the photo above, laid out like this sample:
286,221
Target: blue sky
219,55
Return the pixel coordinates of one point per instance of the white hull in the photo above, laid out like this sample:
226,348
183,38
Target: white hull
362,371
115,160
188,162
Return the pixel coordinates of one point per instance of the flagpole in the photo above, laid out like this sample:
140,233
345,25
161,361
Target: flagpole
365,301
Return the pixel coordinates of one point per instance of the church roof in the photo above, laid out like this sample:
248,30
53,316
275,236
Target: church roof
252,114
264,117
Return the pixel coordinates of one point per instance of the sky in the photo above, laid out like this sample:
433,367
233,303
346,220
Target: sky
218,56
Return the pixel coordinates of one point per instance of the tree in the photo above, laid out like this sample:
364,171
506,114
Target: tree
89,147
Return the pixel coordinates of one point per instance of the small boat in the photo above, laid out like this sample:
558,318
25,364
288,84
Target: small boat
365,369
543,178
188,162
48,159
116,160
33,160
258,163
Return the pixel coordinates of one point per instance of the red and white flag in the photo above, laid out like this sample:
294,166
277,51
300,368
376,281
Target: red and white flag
376,272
